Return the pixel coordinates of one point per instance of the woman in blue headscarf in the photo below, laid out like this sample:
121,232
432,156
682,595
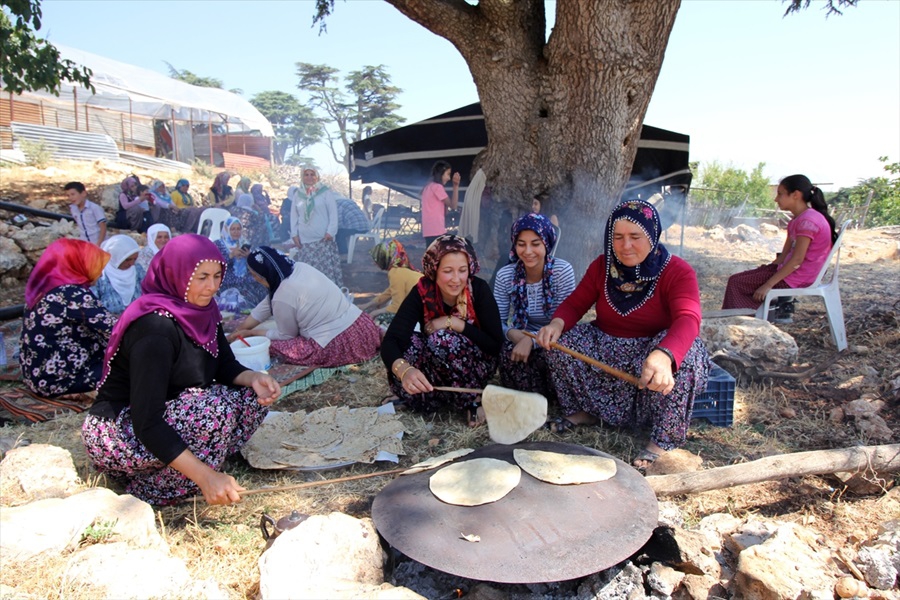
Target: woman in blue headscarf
648,323
235,249
528,291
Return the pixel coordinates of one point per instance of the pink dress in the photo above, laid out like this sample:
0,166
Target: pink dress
433,210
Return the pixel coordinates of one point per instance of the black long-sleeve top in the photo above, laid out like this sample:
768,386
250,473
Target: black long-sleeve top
155,362
488,335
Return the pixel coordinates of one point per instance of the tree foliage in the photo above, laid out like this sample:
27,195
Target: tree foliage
189,77
296,126
365,106
27,62
726,186
833,7
882,208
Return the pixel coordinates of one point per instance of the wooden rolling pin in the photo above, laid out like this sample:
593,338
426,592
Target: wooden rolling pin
593,361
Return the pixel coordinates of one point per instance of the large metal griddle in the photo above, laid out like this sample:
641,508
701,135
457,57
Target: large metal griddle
539,532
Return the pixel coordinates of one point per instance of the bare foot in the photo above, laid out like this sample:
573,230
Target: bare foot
476,416
647,456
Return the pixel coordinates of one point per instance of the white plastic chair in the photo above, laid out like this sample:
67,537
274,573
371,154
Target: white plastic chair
372,234
210,224
829,291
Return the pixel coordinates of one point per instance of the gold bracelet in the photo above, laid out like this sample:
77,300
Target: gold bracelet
402,375
399,364
450,323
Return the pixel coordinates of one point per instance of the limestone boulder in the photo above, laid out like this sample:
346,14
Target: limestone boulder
12,261
879,560
32,240
687,551
753,340
109,198
36,472
617,583
326,556
789,564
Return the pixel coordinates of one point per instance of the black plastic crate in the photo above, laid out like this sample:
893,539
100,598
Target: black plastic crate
716,404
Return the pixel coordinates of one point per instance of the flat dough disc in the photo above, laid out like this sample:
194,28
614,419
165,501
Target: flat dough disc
512,415
475,482
436,461
565,469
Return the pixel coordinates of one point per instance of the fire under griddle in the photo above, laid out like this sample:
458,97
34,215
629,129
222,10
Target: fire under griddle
539,532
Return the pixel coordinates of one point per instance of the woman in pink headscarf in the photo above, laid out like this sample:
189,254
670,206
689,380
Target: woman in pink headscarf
173,401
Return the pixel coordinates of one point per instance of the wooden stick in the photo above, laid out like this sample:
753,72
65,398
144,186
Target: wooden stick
444,388
309,484
593,361
817,462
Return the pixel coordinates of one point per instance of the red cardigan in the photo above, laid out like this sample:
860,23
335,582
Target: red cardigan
675,305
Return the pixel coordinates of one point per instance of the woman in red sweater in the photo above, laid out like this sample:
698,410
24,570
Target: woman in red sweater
648,321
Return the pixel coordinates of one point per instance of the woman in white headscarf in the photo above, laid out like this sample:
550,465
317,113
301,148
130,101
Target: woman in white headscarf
253,222
157,236
120,283
314,225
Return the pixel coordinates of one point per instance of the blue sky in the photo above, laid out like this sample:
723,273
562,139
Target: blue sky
802,94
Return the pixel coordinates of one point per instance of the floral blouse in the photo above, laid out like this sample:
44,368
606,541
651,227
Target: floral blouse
64,338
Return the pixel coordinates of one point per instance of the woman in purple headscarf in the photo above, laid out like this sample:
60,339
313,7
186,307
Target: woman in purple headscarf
648,323
528,291
173,401
459,337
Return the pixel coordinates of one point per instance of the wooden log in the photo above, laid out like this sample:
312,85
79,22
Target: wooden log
883,459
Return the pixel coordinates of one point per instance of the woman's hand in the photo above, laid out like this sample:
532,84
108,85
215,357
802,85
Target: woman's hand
548,334
267,389
522,350
220,488
760,294
415,382
656,373
442,323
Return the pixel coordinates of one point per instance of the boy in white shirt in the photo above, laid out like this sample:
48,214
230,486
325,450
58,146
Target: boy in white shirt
89,216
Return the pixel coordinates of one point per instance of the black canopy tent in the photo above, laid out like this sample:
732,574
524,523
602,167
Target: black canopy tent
401,159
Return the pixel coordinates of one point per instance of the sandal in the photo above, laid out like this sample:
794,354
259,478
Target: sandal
560,425
474,420
646,456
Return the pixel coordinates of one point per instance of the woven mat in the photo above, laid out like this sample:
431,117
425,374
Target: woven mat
296,378
12,331
25,405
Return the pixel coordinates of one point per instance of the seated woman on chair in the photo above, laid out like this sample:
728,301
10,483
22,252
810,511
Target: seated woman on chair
235,249
648,323
65,329
173,402
315,323
810,236
460,339
157,236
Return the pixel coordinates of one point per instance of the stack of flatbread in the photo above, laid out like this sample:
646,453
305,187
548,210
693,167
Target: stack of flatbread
328,437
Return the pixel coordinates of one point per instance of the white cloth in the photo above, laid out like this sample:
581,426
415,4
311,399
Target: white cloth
152,232
470,218
120,248
307,304
323,217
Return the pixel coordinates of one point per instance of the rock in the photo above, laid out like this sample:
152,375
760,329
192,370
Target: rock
675,461
331,556
663,579
757,341
787,565
750,534
625,583
865,483
716,234
4,228
38,203
859,349
862,407
670,514
836,415
687,551
721,524
36,239
768,229
879,560
119,571
56,525
484,591
109,197
699,587
744,233
874,428
850,587
787,412
11,258
35,472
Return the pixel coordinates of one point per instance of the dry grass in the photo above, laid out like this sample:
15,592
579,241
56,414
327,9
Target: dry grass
224,543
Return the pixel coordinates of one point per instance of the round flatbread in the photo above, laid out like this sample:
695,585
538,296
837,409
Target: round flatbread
512,415
436,461
474,482
565,469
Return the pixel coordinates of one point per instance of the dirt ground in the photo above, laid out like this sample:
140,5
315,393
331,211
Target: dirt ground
223,542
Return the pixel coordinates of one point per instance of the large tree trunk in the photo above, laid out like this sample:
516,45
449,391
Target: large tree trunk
563,117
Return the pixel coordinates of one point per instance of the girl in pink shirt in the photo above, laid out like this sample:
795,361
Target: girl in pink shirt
811,234
435,201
